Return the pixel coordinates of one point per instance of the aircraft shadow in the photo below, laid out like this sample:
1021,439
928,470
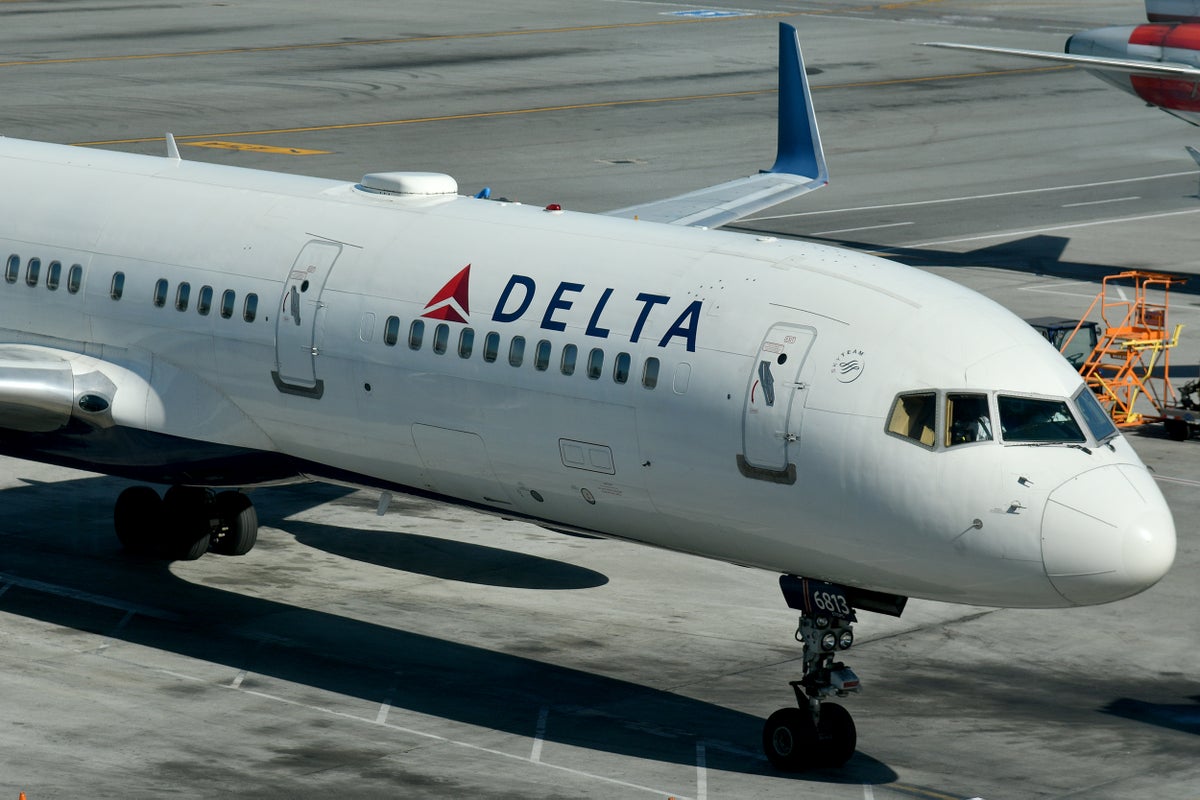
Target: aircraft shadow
274,641
444,558
1174,716
1041,254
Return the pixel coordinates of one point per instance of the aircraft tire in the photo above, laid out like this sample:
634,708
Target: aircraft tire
836,735
138,518
241,519
188,547
188,536
790,740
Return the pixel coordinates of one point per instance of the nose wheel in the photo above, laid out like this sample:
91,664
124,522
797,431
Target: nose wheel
819,733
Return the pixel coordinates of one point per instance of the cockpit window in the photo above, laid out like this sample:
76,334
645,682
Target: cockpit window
967,419
914,416
1100,424
1026,419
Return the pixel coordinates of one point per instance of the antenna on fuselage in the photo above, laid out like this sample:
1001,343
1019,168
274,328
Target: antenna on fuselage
172,148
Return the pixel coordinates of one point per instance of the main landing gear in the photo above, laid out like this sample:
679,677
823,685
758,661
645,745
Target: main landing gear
185,523
819,733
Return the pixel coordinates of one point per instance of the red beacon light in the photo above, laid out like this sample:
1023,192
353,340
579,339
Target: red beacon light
554,208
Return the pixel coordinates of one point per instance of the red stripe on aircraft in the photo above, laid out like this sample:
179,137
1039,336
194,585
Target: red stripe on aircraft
1184,37
1152,35
1167,92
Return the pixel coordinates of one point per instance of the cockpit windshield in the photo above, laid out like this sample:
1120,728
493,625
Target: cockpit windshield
1028,419
1100,423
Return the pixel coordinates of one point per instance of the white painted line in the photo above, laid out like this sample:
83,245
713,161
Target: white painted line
701,772
868,792
1100,202
1033,231
88,597
540,735
993,196
865,228
386,706
458,743
1057,289
1171,479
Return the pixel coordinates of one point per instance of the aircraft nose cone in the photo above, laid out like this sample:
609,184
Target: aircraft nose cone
1107,534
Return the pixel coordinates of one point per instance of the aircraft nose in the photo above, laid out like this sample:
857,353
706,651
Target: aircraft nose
1107,534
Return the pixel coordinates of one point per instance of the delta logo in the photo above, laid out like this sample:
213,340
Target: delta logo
569,302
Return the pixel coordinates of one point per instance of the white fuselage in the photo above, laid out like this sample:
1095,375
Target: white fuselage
729,454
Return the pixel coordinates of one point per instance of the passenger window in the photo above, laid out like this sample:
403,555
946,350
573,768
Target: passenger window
250,309
967,419
416,334
570,355
13,269
441,337
914,416
516,351
228,297
118,286
650,373
54,275
391,331
595,363
466,342
160,292
491,347
1025,419
182,295
204,301
75,278
541,356
621,368
33,271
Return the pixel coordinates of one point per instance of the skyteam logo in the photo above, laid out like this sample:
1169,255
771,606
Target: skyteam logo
849,365
593,311
452,301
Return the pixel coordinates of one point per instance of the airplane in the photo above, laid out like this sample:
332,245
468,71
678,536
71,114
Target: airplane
782,405
1159,62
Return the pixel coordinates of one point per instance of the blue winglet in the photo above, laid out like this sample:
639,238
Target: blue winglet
799,161
799,150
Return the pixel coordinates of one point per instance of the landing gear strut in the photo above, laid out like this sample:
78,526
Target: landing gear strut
185,523
819,733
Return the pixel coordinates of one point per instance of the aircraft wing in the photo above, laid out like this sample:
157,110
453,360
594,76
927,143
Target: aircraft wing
1162,69
799,162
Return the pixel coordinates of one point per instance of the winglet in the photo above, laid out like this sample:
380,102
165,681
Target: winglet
798,150
799,160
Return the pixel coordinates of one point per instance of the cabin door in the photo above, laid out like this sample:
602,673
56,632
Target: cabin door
300,320
774,397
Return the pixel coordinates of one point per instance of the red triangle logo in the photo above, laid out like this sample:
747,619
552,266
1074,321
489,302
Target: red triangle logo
451,301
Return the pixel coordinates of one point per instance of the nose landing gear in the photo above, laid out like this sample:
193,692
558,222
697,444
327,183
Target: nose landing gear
819,733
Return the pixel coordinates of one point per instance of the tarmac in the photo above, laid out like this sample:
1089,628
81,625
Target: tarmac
433,652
